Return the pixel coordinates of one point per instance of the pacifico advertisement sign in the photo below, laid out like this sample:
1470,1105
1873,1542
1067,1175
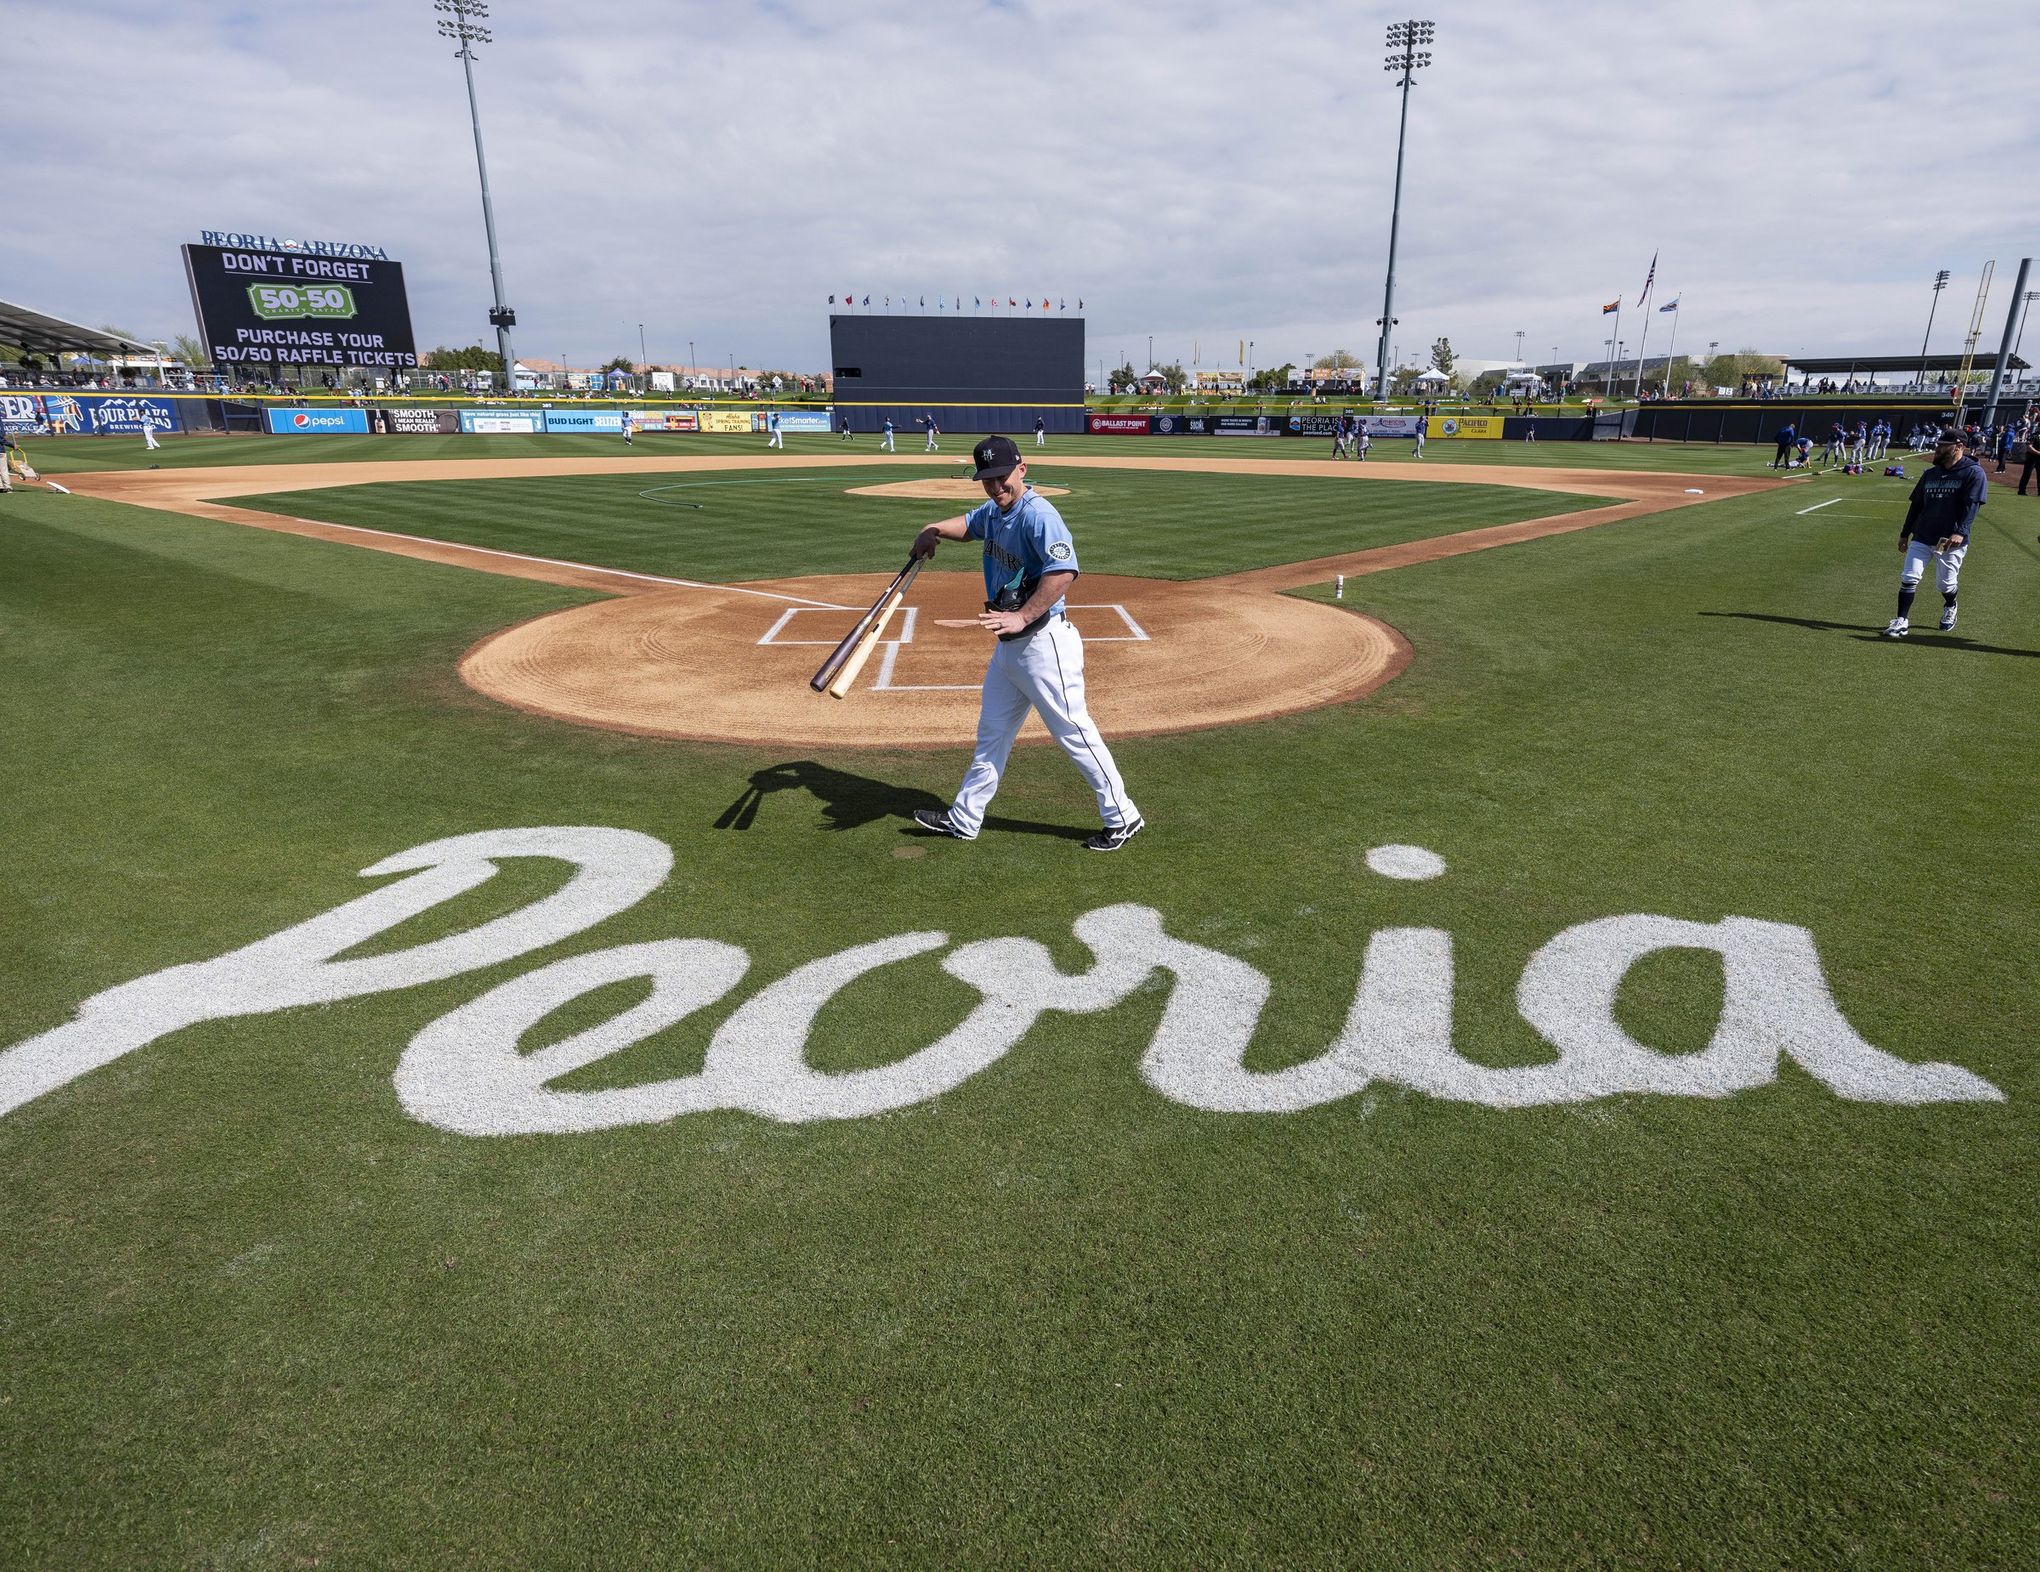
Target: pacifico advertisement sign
1487,426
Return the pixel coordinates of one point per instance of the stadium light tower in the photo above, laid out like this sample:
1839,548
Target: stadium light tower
462,22
1407,56
1940,283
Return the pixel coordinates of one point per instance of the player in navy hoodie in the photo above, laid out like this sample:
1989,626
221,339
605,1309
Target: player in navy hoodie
1943,507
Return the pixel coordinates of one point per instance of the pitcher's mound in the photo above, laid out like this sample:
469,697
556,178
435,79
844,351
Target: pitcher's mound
944,490
731,664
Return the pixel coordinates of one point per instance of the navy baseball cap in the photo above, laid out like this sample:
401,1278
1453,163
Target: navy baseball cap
1950,434
995,456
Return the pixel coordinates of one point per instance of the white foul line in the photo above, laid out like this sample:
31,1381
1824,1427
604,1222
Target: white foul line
579,567
1831,501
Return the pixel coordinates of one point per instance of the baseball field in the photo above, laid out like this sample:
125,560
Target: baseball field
492,1075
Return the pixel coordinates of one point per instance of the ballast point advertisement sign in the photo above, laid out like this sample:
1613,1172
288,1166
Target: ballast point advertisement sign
1116,425
422,422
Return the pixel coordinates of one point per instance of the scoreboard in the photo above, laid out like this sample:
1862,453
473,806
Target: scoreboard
263,308
968,360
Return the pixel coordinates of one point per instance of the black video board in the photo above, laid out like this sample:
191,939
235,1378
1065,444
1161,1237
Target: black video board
264,309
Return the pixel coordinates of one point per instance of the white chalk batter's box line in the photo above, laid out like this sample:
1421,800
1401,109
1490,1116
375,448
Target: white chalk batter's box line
883,681
1134,633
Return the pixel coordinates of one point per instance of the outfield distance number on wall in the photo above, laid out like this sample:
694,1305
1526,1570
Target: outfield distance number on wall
467,1073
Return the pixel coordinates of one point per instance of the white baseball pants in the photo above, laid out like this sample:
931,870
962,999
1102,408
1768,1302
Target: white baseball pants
1947,564
1043,672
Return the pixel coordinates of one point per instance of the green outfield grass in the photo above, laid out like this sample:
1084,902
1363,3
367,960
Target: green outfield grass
66,455
704,526
256,1315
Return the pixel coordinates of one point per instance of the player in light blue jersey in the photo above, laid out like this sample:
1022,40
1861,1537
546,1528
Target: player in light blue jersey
1038,663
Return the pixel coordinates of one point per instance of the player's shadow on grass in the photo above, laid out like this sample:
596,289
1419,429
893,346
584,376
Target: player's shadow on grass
850,802
1953,641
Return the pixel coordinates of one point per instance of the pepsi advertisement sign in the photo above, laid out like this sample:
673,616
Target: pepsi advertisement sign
317,422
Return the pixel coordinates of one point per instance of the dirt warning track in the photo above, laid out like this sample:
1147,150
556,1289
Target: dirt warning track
682,658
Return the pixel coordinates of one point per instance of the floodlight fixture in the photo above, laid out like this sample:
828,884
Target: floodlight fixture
1940,283
1406,41
461,21
2025,306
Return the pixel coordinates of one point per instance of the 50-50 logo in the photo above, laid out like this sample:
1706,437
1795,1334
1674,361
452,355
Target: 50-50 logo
275,301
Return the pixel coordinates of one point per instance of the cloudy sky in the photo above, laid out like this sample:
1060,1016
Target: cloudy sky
1199,172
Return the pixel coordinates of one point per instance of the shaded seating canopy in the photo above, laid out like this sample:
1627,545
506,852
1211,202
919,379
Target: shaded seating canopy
38,333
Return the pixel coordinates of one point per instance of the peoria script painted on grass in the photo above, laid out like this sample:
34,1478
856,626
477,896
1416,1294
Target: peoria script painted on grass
467,1071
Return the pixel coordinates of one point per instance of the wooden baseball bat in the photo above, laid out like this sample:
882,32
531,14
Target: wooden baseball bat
821,679
840,688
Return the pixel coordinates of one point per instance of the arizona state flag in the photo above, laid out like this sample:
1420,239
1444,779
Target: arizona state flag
1613,305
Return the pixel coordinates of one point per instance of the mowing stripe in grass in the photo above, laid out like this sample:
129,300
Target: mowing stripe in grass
580,567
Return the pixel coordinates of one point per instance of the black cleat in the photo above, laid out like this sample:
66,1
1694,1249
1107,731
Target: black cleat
938,820
1110,839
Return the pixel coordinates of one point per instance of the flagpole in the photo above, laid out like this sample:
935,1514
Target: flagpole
1666,390
1643,341
1637,392
1614,373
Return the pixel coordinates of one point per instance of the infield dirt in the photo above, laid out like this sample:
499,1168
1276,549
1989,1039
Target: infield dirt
679,658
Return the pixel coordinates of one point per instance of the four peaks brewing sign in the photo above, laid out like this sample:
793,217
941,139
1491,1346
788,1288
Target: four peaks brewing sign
263,302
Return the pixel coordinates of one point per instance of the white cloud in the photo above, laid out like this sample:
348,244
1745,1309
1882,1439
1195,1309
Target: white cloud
1197,171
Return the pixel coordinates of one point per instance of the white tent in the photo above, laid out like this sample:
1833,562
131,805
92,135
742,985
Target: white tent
1430,376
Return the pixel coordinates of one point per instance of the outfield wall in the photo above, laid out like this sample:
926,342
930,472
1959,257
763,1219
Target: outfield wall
1760,421
125,414
1441,428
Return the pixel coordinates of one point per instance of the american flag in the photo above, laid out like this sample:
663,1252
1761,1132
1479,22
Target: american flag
1649,278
